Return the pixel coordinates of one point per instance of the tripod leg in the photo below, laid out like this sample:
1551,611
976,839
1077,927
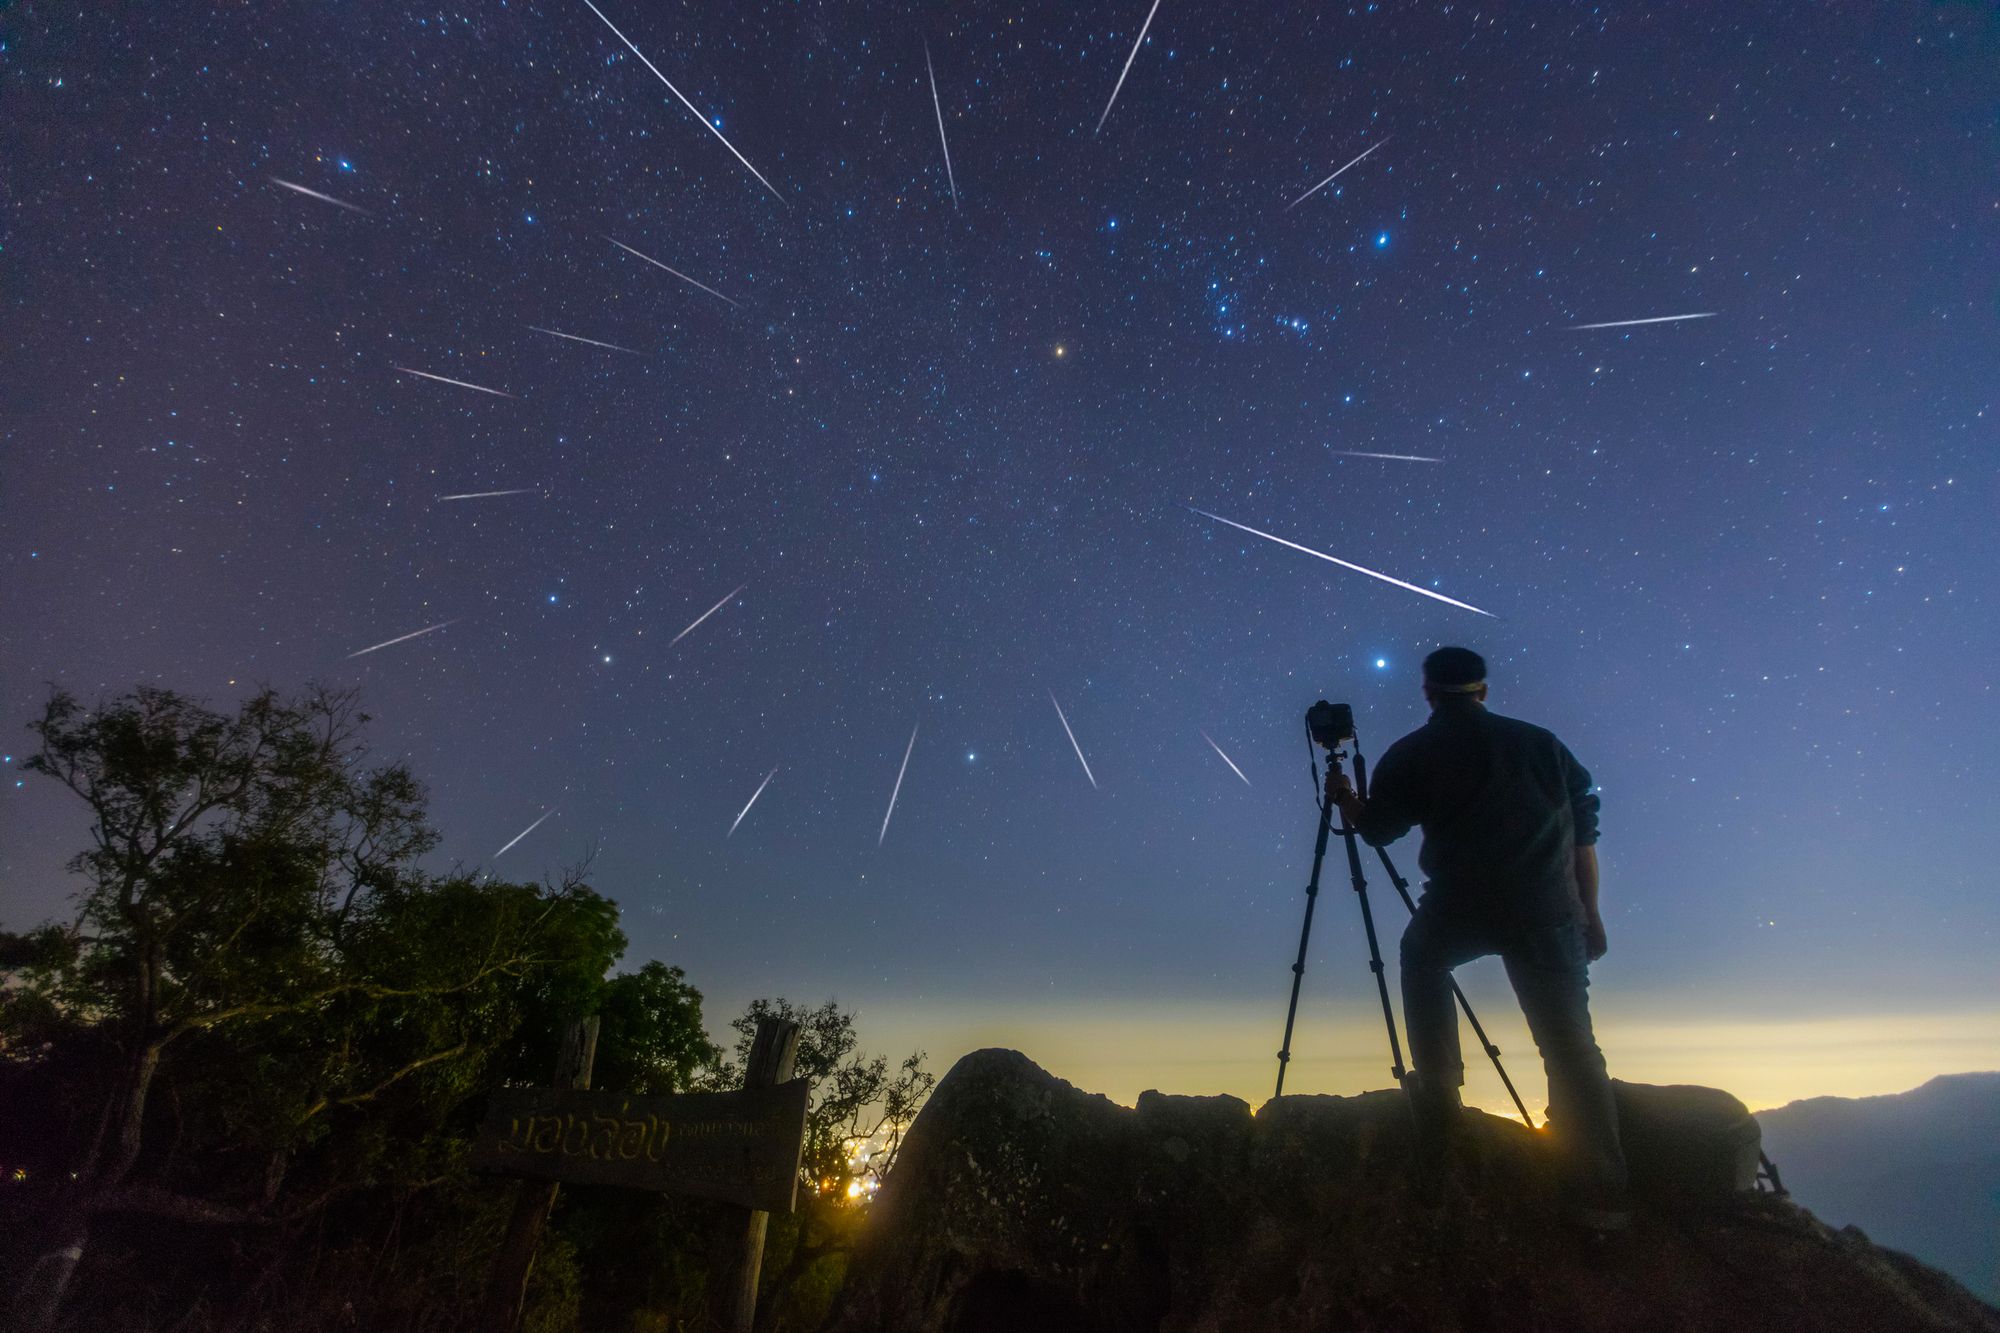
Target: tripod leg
1305,934
1374,949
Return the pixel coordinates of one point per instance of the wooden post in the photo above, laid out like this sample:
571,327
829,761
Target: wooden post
772,1054
507,1290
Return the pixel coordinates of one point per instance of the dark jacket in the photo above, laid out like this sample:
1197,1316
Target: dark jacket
1503,805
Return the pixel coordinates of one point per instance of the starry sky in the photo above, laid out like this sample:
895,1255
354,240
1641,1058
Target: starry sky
928,443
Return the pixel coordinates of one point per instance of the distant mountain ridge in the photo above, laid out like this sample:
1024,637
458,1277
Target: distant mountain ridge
1918,1171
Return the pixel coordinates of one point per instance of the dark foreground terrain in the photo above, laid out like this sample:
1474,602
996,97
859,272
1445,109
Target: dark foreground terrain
1021,1202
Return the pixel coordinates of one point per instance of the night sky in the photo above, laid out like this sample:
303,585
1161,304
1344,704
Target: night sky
937,462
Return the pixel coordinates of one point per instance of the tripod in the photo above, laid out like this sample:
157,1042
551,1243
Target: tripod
1352,838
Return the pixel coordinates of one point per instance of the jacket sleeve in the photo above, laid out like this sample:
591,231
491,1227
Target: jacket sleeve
1395,800
1583,802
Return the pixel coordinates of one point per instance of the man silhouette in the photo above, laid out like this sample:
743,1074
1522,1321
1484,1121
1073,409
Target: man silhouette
1510,866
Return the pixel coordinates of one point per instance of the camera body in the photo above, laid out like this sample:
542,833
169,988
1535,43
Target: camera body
1330,725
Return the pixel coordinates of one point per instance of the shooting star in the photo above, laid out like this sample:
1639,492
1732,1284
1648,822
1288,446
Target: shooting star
1128,65
558,333
752,801
523,833
1344,564
1400,458
938,106
1330,179
707,124
897,789
425,374
323,198
1657,319
1072,742
489,495
676,272
705,615
1225,758
402,638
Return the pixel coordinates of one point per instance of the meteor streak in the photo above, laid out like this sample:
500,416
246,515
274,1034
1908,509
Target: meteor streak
523,833
752,801
1400,458
1225,758
490,495
1344,564
897,789
425,374
1657,319
707,124
323,198
705,615
939,108
676,272
401,638
558,333
1128,65
1072,742
1330,179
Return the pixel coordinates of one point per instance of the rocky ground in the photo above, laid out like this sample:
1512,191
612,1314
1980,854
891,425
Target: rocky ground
1023,1203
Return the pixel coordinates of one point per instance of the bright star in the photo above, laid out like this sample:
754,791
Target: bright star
1381,662
1381,240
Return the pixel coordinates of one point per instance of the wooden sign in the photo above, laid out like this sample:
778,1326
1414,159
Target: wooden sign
739,1147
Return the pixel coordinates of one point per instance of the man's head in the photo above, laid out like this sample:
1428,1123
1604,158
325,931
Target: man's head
1454,675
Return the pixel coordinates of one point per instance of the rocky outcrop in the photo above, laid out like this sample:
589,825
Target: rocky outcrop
1022,1203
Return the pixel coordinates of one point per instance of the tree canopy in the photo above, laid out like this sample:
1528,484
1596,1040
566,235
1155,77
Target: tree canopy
266,1020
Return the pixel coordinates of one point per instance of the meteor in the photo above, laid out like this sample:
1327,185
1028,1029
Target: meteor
707,124
1072,743
897,789
490,495
1657,319
401,638
1344,564
558,333
705,615
1225,758
425,374
1128,65
1400,458
752,801
523,833
676,272
939,108
1330,179
323,198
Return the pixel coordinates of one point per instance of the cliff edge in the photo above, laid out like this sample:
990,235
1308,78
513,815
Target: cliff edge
1020,1202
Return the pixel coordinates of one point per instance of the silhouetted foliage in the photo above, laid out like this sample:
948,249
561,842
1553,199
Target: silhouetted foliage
239,1083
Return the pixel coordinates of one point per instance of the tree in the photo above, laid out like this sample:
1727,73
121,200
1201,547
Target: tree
253,923
858,1102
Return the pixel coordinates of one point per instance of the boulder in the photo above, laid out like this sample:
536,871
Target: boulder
1022,1203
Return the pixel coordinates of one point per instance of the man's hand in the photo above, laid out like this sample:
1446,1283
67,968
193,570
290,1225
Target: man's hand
1594,943
1341,792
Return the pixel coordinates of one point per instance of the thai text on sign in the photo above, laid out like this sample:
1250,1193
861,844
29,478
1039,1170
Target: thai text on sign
741,1147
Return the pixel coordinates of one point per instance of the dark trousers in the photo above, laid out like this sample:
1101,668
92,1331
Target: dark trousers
1551,978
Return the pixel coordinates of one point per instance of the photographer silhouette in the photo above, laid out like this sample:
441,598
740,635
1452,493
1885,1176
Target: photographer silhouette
1510,864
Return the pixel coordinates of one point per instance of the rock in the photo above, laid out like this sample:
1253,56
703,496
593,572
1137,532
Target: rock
1022,1203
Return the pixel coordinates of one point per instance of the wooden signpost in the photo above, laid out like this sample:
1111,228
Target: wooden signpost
739,1147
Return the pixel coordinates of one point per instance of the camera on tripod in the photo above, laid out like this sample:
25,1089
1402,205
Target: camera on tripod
1330,725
